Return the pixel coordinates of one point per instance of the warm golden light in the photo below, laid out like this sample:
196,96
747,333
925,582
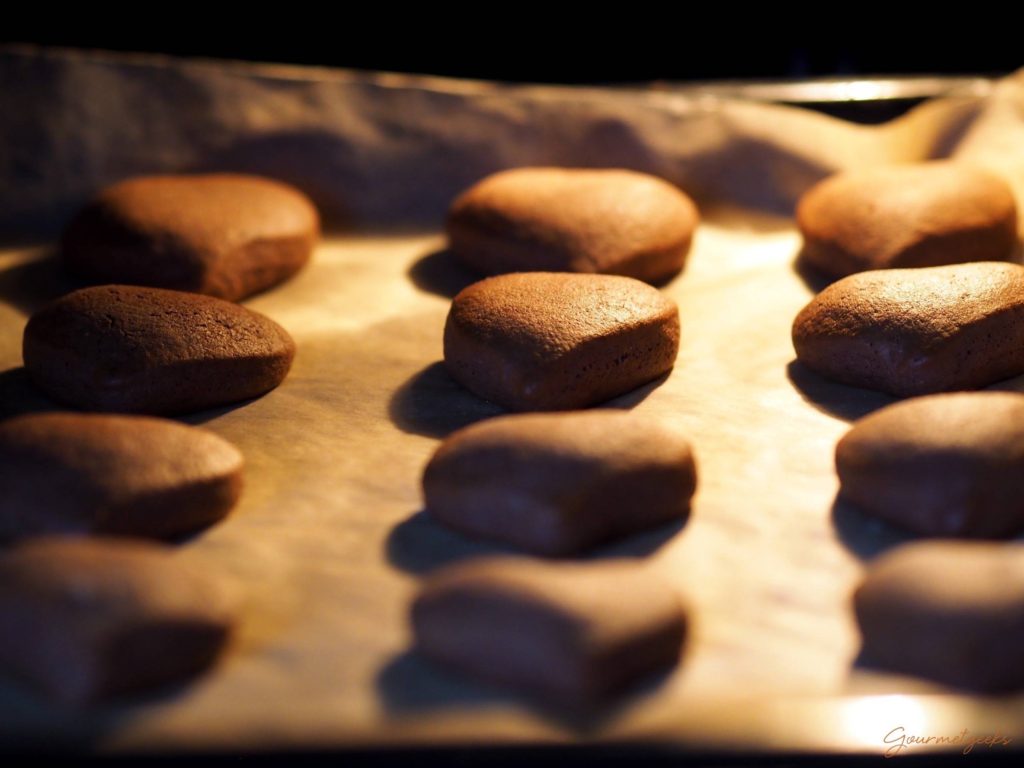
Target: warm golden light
880,721
865,90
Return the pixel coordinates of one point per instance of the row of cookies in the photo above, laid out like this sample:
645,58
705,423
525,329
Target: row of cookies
517,339
91,606
555,335
913,321
506,339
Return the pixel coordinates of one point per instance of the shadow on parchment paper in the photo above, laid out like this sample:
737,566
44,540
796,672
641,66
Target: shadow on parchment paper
1016,384
67,728
410,684
636,396
812,276
75,728
420,545
18,395
907,684
33,283
818,281
849,403
198,418
441,273
865,662
864,536
431,403
640,545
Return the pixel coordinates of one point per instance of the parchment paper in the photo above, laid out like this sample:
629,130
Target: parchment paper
329,542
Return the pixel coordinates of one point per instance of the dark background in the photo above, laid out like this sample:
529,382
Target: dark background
523,44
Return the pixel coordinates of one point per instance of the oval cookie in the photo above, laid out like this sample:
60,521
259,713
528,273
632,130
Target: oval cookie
124,475
948,611
225,235
84,620
920,215
573,220
546,341
147,350
943,465
573,633
559,484
917,331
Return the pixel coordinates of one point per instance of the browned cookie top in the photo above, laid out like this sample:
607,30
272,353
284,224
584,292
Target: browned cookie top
560,483
920,215
575,632
104,578
942,465
148,350
917,331
83,619
575,220
553,341
553,313
949,611
129,475
226,235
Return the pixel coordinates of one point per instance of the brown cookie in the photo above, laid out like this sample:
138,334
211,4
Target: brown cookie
548,341
573,220
948,611
944,465
920,215
123,475
570,632
83,620
559,484
917,331
225,235
147,350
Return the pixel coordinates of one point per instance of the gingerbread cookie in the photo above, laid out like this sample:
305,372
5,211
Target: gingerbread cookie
608,221
226,235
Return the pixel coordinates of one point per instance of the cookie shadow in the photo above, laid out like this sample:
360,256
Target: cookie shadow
76,729
813,277
34,283
199,418
410,684
431,403
818,280
441,273
866,537
419,545
1016,384
864,661
640,545
849,403
1016,256
19,396
636,396
898,679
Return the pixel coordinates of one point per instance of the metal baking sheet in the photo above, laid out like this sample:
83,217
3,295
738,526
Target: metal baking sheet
329,541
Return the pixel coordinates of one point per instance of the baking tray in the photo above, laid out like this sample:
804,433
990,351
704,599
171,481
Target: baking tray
329,542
